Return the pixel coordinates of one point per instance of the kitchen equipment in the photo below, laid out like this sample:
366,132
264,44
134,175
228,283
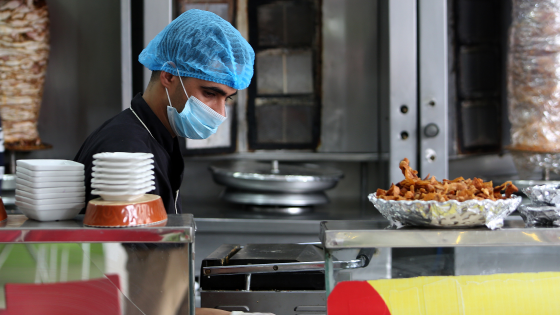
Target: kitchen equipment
276,278
144,210
289,188
257,176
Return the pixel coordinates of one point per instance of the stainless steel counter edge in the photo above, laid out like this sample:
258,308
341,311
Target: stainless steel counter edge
270,226
19,229
367,234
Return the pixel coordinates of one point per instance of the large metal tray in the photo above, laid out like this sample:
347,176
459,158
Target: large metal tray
256,176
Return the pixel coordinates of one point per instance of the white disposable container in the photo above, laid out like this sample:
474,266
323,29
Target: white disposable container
45,179
50,165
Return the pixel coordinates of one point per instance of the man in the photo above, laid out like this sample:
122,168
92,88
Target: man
198,61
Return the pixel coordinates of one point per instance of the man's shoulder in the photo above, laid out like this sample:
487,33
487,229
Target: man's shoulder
120,133
122,125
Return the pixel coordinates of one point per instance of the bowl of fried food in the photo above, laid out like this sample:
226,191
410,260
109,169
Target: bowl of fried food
448,204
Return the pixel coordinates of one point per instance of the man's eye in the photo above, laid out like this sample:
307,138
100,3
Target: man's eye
229,98
209,93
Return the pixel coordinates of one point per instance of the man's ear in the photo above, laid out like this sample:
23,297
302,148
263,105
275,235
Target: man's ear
166,79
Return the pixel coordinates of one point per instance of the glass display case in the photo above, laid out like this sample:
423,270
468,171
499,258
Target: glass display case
64,265
477,251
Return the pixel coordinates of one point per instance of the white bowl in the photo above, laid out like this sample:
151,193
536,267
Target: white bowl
45,179
109,187
27,183
127,170
23,170
46,196
114,164
43,207
56,201
121,176
54,190
50,165
125,195
113,181
49,215
122,156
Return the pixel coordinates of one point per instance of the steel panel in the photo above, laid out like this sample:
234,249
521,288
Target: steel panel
402,85
433,76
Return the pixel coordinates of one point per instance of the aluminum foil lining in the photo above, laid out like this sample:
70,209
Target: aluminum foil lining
448,214
538,215
544,194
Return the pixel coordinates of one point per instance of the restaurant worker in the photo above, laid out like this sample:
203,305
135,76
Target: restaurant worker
198,61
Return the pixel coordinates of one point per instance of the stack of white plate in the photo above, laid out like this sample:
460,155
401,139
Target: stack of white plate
48,190
122,176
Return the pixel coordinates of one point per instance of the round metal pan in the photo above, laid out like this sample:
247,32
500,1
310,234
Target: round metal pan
274,199
274,177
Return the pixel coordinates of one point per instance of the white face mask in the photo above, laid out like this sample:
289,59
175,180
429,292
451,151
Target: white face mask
196,120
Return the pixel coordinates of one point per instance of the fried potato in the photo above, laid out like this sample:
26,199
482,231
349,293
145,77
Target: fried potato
460,189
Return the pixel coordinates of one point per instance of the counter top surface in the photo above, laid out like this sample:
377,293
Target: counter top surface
375,233
19,229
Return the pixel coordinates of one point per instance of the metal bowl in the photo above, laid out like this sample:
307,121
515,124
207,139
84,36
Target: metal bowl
258,176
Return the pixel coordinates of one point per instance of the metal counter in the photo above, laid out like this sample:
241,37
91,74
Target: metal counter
20,229
341,235
179,229
368,234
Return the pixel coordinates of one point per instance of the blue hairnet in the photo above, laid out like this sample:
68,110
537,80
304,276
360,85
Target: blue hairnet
204,46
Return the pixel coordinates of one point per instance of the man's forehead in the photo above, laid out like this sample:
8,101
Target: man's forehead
223,87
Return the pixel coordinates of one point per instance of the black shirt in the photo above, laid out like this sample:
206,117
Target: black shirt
125,133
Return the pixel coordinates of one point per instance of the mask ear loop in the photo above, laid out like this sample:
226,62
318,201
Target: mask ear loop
166,92
180,80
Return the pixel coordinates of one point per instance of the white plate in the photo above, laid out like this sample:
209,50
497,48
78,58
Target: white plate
113,164
50,165
57,201
43,179
123,156
56,190
127,181
49,215
126,195
110,187
23,170
27,183
121,176
127,170
46,196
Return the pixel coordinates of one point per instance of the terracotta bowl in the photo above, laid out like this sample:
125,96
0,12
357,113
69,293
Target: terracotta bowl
3,215
146,210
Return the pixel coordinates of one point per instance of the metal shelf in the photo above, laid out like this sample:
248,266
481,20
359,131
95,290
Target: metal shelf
19,229
367,234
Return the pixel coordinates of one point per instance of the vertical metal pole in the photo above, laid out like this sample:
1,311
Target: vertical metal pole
192,300
433,85
402,85
126,55
329,272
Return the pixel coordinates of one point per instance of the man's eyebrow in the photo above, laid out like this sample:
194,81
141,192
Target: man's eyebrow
218,90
